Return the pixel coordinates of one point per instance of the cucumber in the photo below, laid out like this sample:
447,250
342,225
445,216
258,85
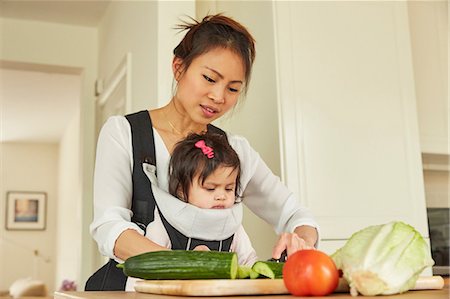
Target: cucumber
253,274
182,264
246,272
269,269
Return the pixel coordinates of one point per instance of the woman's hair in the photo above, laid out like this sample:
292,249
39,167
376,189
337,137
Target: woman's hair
216,31
191,157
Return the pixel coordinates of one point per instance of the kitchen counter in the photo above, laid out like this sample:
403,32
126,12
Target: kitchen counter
428,294
424,294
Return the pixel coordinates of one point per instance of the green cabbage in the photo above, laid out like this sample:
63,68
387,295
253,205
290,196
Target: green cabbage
383,259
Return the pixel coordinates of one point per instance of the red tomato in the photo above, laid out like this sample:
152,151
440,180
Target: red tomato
310,272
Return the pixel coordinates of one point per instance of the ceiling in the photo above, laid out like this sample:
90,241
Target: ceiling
72,12
37,105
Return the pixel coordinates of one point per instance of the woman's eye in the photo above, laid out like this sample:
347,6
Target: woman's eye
208,79
234,90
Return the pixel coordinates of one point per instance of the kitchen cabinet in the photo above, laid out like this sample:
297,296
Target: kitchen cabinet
349,128
428,22
436,174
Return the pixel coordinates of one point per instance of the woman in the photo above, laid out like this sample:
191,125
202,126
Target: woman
212,67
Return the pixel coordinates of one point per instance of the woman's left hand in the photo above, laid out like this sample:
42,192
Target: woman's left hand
202,248
290,242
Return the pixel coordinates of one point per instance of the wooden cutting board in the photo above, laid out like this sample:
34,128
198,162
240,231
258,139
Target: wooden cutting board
228,287
212,287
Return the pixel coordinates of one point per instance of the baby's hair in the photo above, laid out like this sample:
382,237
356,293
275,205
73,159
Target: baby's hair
216,31
188,161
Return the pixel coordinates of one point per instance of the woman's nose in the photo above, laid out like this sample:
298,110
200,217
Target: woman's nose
217,94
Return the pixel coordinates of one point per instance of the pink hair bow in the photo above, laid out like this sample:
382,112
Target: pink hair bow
208,151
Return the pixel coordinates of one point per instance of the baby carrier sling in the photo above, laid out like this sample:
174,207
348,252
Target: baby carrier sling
109,277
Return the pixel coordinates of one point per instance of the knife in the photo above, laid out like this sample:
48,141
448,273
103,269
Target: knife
282,259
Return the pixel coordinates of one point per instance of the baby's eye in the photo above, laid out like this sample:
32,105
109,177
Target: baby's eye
209,189
230,189
208,79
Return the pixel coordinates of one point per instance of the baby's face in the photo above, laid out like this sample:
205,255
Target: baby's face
216,192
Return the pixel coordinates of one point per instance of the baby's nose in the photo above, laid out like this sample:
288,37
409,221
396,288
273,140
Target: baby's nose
220,196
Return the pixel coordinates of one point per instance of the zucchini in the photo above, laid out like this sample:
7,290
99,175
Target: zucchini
246,272
269,269
182,264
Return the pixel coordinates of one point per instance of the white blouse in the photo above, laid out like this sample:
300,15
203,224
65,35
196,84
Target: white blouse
263,193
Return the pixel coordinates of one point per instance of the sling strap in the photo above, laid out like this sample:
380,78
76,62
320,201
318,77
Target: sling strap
109,277
143,202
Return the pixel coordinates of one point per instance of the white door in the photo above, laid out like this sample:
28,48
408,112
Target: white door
348,114
115,97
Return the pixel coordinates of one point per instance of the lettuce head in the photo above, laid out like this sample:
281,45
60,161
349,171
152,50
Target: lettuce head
383,259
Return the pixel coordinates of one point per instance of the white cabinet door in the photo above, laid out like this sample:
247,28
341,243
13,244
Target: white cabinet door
429,40
348,114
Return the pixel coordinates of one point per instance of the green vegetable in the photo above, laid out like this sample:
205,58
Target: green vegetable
383,259
182,264
246,272
269,269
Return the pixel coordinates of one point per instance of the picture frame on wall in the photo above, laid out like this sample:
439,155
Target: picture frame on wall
26,210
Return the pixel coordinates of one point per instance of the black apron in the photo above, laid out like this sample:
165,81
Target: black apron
109,277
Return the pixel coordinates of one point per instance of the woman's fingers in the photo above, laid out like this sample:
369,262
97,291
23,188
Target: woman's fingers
280,246
293,244
201,248
289,242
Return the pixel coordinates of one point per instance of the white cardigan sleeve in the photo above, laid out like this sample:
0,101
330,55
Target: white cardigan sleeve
265,194
113,185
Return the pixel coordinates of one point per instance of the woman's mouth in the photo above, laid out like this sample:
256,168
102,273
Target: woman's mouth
208,111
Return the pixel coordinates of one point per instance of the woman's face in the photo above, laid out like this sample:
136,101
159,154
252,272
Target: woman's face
211,85
217,190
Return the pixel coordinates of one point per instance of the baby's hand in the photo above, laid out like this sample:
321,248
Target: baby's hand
291,242
201,248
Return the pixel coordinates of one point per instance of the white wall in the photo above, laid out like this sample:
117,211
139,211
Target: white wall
28,167
142,28
72,47
130,27
168,39
68,248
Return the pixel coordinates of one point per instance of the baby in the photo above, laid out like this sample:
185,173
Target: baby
204,174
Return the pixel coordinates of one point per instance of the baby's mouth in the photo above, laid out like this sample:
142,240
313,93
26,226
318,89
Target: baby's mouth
218,207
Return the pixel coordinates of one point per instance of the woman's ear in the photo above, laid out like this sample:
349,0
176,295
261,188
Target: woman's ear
177,67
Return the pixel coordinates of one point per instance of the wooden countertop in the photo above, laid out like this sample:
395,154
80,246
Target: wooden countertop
428,294
425,294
